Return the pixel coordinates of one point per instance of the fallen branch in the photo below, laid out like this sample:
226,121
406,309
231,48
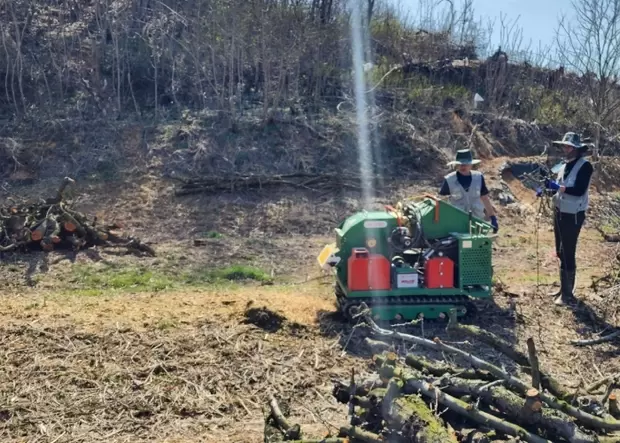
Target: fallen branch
603,381
596,341
510,404
468,411
439,369
312,182
360,435
546,381
611,238
513,382
531,348
291,432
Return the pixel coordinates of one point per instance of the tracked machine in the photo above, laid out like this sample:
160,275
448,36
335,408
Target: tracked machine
416,260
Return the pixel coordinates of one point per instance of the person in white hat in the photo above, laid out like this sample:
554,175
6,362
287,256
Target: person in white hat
467,190
570,192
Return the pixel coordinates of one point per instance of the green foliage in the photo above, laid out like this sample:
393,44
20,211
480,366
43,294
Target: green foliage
435,95
213,234
115,277
240,272
550,110
388,27
96,280
417,88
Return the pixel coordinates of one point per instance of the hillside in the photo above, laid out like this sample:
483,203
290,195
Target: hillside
193,88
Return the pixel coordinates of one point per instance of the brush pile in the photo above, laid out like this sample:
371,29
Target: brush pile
52,224
411,398
310,182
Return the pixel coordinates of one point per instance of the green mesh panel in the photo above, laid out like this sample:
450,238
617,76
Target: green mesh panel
475,261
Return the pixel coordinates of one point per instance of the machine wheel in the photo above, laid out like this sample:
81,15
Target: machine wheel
472,312
349,309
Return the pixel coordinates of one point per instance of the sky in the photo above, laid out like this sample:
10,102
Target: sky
537,19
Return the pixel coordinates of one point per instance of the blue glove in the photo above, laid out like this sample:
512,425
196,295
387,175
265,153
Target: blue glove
494,223
552,184
539,192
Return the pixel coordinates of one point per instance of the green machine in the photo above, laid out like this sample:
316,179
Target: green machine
419,259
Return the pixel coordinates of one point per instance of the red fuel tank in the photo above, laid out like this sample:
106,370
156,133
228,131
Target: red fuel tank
439,273
367,271
379,273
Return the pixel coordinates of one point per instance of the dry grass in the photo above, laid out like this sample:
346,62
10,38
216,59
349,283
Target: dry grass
164,367
140,311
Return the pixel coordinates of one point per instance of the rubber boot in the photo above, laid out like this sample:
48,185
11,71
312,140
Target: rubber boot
567,284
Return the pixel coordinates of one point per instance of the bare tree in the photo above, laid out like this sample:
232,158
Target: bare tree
590,44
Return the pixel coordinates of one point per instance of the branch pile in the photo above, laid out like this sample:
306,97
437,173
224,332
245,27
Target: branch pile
312,182
52,224
411,398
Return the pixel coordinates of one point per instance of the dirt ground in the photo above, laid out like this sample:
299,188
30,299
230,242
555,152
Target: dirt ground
160,361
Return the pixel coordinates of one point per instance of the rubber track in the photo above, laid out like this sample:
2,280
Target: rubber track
471,310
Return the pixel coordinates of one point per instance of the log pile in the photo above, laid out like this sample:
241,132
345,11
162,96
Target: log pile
411,398
52,224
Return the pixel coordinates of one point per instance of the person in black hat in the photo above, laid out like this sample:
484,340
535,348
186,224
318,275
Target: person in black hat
571,199
467,190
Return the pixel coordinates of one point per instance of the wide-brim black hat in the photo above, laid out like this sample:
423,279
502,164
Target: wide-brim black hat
464,157
571,139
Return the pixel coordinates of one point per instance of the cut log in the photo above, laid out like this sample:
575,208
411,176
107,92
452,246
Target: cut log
360,435
51,234
70,224
533,360
513,382
608,392
39,231
614,410
533,403
51,224
414,384
526,413
438,368
412,416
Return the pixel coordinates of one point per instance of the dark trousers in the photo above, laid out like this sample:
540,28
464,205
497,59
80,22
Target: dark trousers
567,228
